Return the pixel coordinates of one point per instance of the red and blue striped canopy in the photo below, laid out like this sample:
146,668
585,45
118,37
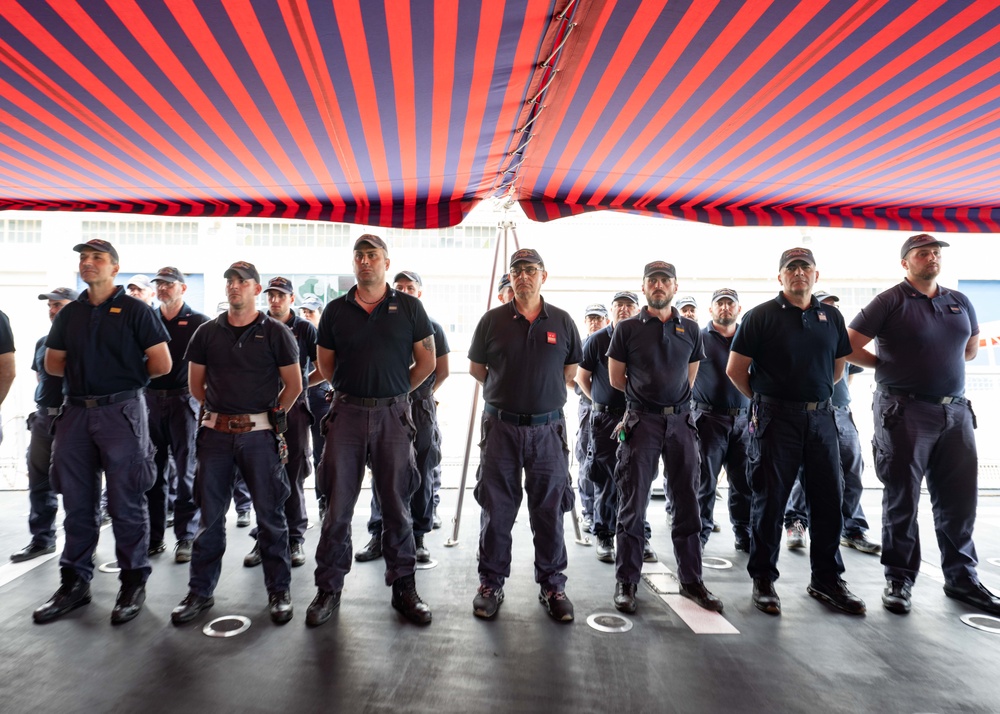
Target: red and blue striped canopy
856,113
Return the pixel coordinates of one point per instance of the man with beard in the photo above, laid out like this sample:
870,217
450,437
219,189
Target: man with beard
721,419
653,359
924,334
786,357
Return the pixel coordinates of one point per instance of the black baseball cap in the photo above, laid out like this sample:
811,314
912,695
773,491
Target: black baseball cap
796,254
625,295
60,294
373,240
169,274
282,285
408,275
725,293
99,245
919,241
245,270
659,266
526,255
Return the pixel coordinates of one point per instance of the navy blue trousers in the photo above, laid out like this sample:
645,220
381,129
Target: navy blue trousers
115,439
785,440
584,438
255,454
651,437
724,441
42,500
381,437
542,452
914,440
173,423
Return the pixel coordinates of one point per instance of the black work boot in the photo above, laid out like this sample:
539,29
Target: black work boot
130,597
74,592
406,600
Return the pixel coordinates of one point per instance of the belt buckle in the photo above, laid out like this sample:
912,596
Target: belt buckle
369,402
812,406
524,420
239,426
947,400
90,403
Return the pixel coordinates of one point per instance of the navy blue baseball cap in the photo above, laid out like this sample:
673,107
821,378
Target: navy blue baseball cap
101,246
659,266
526,255
169,274
60,294
282,285
725,293
504,283
919,241
626,295
408,275
245,270
596,309
793,254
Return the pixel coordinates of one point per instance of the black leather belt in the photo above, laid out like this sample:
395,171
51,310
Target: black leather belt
798,406
726,411
370,401
922,397
105,400
608,410
665,411
523,419
169,392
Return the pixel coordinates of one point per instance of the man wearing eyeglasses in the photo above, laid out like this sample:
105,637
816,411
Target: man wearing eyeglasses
524,353
654,359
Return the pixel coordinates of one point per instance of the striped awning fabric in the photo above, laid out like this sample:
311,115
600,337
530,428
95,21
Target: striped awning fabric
854,113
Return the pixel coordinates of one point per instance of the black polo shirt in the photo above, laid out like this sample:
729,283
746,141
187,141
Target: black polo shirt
526,360
181,329
105,344
595,361
656,356
305,338
793,350
373,352
712,386
920,340
241,372
6,335
48,391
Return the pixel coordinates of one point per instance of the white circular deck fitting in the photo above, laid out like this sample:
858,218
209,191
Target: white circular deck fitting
714,563
986,623
227,626
111,567
426,566
609,622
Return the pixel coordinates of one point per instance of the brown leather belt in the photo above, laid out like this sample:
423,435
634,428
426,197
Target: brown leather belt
237,423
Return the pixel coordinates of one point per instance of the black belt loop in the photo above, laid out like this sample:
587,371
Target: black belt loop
798,406
921,397
369,401
662,411
90,402
523,419
608,410
726,411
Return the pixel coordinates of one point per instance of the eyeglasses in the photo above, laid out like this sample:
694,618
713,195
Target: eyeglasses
530,270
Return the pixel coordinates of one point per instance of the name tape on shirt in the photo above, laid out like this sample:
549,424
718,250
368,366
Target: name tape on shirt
550,337
955,309
115,310
821,316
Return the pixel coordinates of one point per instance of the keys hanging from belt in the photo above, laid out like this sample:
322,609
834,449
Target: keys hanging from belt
282,448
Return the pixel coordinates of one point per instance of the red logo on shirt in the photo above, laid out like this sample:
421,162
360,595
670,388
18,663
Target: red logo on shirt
551,337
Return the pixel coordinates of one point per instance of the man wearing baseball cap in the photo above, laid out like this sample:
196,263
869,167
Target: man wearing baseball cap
243,368
173,422
653,359
595,317
524,353
687,306
505,293
141,288
376,346
786,357
925,333
607,410
311,308
48,399
107,345
720,412
280,298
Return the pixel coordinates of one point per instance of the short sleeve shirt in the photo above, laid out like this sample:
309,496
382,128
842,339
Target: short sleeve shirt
48,391
525,360
793,351
920,340
656,355
181,328
242,372
842,390
6,335
712,386
441,348
305,337
105,344
373,352
595,361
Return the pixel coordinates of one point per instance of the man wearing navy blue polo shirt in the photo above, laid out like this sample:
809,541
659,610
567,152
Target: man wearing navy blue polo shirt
48,397
319,396
376,345
924,334
524,353
173,420
107,345
595,318
280,298
786,357
720,412
243,367
653,358
607,410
